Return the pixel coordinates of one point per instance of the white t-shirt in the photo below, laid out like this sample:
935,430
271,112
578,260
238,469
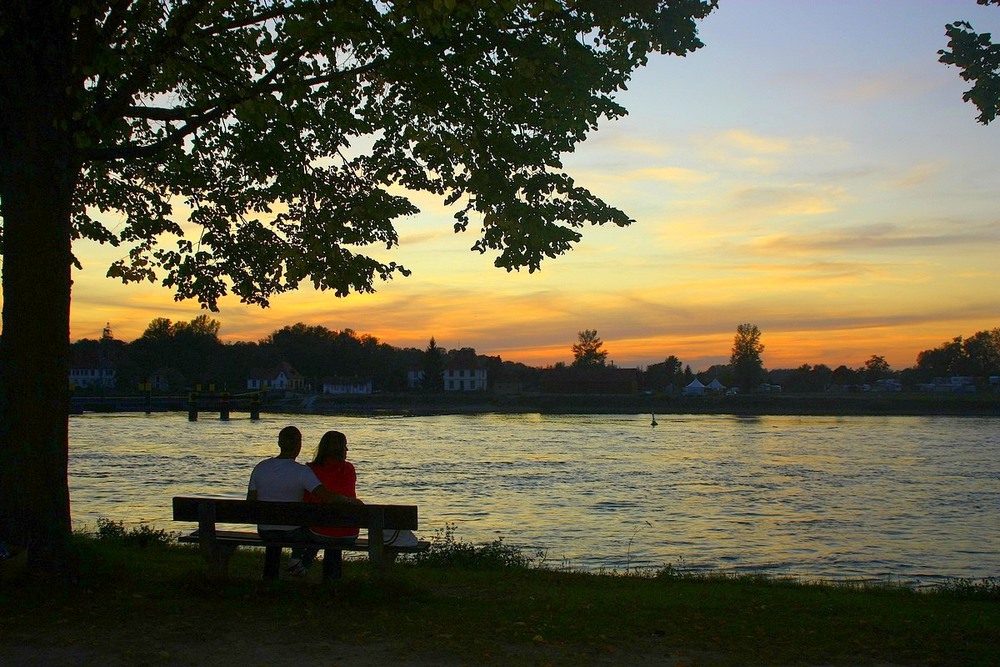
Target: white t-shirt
281,480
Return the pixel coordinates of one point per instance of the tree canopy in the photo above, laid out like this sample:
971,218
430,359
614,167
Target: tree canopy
978,58
748,367
249,147
589,350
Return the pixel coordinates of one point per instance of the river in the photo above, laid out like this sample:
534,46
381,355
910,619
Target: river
908,499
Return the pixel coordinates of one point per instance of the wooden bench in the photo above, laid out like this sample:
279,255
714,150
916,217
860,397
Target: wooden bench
218,546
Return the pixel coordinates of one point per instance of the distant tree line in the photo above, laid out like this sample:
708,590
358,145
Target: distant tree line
976,357
191,353
188,354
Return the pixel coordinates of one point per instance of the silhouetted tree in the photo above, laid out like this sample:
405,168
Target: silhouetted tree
589,350
191,350
748,368
982,351
433,367
250,113
978,355
876,368
665,376
943,361
845,376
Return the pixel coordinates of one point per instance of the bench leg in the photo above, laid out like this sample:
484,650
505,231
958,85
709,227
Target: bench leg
218,556
272,562
333,563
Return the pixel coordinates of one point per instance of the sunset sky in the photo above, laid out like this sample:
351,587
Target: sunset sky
813,170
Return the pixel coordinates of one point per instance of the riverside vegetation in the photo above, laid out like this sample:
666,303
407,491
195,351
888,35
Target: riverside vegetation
141,598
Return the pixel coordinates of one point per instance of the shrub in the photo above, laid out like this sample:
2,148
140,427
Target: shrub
141,536
446,551
976,589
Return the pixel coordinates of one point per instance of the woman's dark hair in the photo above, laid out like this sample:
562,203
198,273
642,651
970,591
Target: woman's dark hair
333,445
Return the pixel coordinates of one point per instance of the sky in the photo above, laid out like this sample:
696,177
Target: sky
812,170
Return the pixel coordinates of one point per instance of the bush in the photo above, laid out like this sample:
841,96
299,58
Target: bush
446,551
976,589
140,536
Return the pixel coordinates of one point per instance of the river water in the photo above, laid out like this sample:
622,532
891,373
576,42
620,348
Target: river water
908,499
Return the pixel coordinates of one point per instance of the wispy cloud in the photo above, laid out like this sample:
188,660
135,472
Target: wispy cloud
880,237
788,200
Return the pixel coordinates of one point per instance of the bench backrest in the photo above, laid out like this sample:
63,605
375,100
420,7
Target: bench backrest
229,510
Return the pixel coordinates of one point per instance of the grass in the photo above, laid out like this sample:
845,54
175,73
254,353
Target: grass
142,599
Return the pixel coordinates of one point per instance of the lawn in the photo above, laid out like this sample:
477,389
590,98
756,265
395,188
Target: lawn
147,602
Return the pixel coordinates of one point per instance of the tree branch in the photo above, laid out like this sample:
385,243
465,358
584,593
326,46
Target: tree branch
254,19
178,24
198,117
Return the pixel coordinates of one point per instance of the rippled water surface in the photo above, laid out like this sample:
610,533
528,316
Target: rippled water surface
817,497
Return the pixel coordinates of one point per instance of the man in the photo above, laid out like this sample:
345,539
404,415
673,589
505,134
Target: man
283,479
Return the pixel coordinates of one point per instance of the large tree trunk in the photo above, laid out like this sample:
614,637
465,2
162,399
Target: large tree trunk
37,177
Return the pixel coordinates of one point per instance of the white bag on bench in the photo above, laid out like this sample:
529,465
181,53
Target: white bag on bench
400,538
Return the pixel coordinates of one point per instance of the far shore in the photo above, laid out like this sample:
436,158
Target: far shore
421,404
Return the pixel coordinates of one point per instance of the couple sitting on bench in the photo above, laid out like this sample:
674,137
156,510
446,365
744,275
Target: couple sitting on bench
329,478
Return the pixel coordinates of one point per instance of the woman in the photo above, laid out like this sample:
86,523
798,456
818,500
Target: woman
337,474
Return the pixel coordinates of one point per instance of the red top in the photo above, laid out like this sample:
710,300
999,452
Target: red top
338,477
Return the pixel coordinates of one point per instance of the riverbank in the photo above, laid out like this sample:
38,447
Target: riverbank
155,606
418,403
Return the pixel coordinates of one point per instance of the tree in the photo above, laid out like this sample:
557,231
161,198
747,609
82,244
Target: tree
876,368
943,361
433,379
588,351
254,115
845,377
191,351
664,376
978,58
748,368
309,349
977,355
982,350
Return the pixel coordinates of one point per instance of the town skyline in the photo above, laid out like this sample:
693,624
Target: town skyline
812,170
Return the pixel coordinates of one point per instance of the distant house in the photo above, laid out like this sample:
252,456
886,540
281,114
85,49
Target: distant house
166,379
589,380
91,376
93,364
282,377
345,385
414,378
456,377
464,375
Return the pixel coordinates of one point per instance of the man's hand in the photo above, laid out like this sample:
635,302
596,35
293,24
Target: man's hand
328,496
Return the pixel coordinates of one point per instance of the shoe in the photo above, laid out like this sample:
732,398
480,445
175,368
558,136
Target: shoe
296,568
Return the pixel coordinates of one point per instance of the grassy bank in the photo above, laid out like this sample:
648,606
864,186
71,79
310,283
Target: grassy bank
465,605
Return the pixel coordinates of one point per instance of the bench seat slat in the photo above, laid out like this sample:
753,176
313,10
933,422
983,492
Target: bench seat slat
229,510
247,539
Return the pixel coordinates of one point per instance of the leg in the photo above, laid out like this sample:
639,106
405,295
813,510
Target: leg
333,563
305,554
272,562
272,553
333,557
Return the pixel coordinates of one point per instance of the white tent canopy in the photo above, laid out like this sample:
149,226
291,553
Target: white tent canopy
696,388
